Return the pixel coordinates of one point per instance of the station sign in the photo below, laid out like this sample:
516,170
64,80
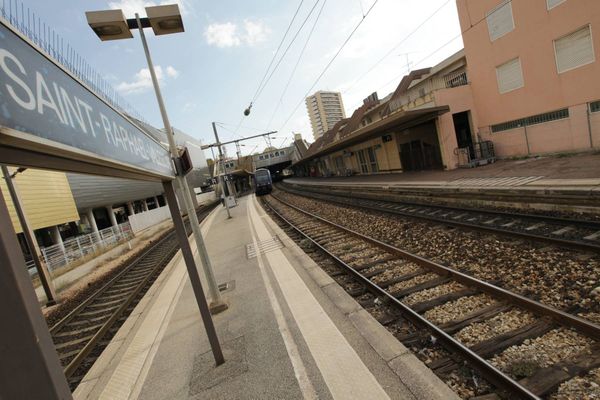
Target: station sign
43,105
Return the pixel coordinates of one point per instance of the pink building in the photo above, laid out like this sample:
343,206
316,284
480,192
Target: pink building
527,82
533,73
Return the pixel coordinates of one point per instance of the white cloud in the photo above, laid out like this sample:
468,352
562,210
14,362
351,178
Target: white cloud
172,72
143,81
227,34
130,7
256,32
222,35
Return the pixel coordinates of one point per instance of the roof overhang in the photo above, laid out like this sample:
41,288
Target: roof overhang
395,122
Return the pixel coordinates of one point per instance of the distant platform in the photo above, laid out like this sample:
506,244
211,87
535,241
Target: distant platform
565,184
290,332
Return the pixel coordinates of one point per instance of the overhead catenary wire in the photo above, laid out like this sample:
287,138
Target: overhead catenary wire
472,25
404,39
287,49
312,29
277,51
329,63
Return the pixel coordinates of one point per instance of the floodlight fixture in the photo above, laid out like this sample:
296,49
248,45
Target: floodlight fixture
165,19
109,24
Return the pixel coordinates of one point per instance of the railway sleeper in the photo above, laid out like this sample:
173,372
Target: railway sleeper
425,285
401,278
101,303
497,344
454,326
546,380
72,343
64,333
429,304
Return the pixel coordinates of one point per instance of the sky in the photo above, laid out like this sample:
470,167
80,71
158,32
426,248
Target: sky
212,71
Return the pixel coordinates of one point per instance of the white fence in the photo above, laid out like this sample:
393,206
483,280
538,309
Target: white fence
76,248
141,221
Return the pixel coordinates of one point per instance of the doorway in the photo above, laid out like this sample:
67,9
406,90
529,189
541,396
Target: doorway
462,128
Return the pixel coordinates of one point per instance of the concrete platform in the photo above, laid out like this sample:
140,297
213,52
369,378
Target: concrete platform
291,332
563,184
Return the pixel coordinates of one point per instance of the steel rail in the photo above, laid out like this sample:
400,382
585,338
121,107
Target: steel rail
586,327
93,341
83,353
491,373
562,220
497,230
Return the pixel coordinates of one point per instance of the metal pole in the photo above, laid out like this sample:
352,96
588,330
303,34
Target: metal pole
217,305
193,274
589,122
30,368
221,180
34,249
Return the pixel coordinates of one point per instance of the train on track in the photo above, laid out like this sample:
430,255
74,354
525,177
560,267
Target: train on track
263,184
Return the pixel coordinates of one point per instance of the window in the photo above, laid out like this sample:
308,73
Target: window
282,152
574,50
367,160
510,76
553,3
595,106
276,154
500,20
372,160
533,120
362,160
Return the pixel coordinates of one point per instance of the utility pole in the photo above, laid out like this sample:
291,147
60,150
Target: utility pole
34,249
221,180
217,305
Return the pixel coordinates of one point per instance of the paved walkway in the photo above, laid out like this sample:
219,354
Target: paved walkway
290,333
567,171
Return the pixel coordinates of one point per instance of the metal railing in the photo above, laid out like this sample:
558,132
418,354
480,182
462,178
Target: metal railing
77,248
429,85
23,19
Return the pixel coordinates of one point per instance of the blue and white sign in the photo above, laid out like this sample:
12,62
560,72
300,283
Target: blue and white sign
40,99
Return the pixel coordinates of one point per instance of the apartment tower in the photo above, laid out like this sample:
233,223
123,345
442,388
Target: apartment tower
324,110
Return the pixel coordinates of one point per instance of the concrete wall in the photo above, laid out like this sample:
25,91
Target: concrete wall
141,221
46,196
459,99
569,134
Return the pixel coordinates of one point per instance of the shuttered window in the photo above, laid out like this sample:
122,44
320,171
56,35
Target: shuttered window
510,76
553,3
500,20
574,50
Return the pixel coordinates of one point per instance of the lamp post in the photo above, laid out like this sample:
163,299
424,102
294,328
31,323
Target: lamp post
111,25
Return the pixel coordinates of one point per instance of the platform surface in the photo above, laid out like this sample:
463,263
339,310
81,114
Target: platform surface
290,333
575,172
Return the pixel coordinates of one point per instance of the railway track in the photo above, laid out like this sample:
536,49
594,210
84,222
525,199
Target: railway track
411,296
81,335
562,232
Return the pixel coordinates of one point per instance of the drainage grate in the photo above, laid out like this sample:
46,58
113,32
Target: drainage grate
265,246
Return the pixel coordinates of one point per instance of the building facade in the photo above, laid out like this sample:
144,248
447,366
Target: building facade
525,84
534,73
325,109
